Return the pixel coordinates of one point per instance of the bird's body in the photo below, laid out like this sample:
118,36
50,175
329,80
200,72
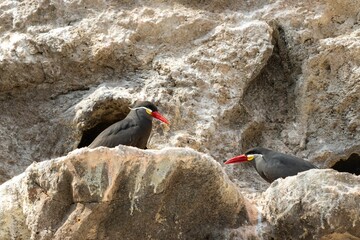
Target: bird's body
134,130
272,165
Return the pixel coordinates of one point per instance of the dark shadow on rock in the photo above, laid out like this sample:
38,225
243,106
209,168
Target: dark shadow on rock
350,165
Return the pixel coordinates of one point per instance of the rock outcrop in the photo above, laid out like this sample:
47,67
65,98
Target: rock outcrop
122,193
317,204
229,75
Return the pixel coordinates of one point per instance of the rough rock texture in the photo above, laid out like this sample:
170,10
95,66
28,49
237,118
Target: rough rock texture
317,204
229,75
122,193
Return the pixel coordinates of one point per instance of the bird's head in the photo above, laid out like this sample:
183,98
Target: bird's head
241,158
151,110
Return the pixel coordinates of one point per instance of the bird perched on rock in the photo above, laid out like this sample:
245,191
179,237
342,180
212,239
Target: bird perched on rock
272,165
134,130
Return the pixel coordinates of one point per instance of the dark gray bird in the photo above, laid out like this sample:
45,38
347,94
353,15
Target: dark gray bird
134,130
272,165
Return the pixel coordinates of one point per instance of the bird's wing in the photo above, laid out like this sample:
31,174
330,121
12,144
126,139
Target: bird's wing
285,165
118,133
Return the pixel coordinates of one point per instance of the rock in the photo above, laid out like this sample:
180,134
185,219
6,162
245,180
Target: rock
219,71
229,75
316,204
122,193
337,59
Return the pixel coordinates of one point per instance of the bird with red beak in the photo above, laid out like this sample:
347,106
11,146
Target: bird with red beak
134,130
272,165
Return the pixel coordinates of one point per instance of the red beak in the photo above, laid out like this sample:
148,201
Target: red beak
157,115
240,158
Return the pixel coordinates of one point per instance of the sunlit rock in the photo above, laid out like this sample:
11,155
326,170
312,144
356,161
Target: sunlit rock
316,204
122,193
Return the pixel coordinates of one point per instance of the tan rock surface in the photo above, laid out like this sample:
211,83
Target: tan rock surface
317,204
121,193
229,75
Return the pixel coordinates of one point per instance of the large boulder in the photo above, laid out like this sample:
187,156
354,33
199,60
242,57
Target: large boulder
316,204
122,193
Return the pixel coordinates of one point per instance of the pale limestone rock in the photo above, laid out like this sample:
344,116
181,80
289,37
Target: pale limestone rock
316,204
228,74
122,193
331,98
12,217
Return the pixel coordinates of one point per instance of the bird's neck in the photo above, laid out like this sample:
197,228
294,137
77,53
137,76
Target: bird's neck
258,157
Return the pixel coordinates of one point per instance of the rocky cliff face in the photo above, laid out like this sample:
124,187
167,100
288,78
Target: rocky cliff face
229,75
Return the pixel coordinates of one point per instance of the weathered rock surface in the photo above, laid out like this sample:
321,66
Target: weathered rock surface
317,204
229,75
121,193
